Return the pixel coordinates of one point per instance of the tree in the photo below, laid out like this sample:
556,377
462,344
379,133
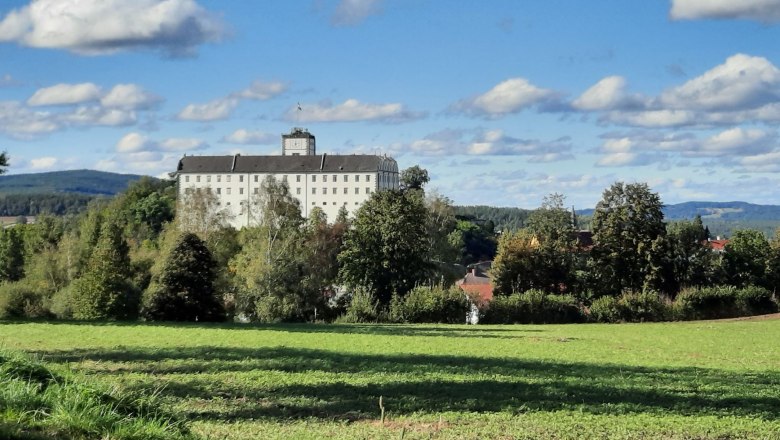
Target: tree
198,211
626,223
691,256
440,222
745,258
383,252
773,263
472,243
185,288
515,264
103,291
11,254
553,228
414,177
4,162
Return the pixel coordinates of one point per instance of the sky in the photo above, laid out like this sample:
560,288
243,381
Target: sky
502,101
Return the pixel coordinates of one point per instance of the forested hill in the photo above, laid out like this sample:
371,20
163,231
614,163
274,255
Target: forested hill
715,210
89,182
58,192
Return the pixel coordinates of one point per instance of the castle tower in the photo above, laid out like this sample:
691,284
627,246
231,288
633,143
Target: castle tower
298,143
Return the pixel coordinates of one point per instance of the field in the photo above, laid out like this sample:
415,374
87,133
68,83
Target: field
694,380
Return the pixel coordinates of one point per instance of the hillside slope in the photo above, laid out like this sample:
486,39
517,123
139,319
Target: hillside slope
88,182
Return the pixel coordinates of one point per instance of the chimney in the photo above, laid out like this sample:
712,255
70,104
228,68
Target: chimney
322,163
233,167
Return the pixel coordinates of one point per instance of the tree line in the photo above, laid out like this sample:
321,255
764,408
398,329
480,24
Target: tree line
146,255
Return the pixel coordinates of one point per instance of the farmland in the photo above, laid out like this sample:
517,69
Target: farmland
709,379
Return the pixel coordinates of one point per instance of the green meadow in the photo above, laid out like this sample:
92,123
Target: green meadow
688,380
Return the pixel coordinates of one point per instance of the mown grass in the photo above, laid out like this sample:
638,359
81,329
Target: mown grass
695,380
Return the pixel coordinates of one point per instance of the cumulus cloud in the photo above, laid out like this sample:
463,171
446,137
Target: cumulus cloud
100,116
211,111
608,94
261,90
353,12
510,96
135,143
43,163
20,122
97,27
246,137
352,110
129,96
495,142
760,10
65,94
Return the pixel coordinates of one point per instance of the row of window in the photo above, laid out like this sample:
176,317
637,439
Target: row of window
297,190
284,178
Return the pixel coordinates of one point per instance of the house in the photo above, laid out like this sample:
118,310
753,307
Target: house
325,181
718,245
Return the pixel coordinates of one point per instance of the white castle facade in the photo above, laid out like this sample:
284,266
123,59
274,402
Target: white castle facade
325,181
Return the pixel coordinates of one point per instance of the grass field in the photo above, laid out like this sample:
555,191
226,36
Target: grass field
694,380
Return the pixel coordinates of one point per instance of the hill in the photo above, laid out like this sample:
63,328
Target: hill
58,192
88,182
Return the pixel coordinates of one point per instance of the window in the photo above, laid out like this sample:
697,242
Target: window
345,190
188,190
324,177
208,178
324,190
324,203
256,178
197,178
256,190
357,190
334,177
314,190
346,178
314,178
228,203
368,177
219,178
227,191
241,178
187,179
357,178
284,178
227,178
334,190
312,203
334,203
219,190
241,190
368,190
298,178
297,191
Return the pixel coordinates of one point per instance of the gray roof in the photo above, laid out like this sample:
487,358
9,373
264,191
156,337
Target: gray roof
284,164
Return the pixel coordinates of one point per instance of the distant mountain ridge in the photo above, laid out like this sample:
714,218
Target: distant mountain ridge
87,182
715,211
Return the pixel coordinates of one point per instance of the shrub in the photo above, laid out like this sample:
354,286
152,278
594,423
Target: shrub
532,307
754,300
20,300
61,303
707,303
362,308
646,306
430,305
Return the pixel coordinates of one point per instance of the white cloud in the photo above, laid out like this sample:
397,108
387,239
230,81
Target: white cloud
182,144
246,137
351,110
352,12
261,91
738,141
132,142
136,143
96,115
510,96
212,111
608,94
760,10
95,27
742,82
762,163
495,142
20,122
129,96
43,163
65,94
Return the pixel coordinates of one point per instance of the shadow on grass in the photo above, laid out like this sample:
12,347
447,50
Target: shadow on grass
366,329
228,384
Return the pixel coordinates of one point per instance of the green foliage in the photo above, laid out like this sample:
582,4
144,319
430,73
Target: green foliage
645,306
532,307
472,243
11,254
627,225
362,308
42,403
382,252
414,178
745,258
430,305
184,290
20,300
723,302
692,259
502,219
103,291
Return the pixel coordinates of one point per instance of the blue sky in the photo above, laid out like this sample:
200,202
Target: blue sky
503,102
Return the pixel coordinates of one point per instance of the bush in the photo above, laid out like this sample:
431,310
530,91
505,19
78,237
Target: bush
430,305
362,308
707,303
532,307
754,300
61,303
20,300
630,307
